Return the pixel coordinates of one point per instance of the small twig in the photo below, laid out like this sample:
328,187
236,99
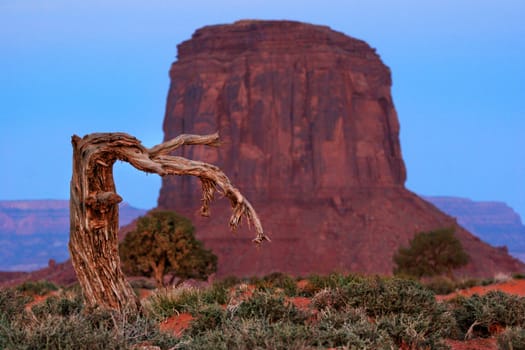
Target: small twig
470,332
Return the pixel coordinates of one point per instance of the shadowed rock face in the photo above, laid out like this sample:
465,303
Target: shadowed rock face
310,135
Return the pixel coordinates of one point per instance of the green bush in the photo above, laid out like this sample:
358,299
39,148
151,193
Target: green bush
164,243
431,253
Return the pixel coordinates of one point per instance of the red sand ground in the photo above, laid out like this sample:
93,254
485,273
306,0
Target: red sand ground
516,287
176,324
473,344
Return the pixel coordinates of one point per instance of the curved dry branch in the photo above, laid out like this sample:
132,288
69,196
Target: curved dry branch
211,177
184,139
94,206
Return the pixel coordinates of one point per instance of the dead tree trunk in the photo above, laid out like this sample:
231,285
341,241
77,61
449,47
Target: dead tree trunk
94,209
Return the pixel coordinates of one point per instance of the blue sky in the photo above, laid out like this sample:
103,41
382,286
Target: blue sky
76,67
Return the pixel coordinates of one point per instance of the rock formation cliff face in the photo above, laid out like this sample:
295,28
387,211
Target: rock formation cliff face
310,134
303,111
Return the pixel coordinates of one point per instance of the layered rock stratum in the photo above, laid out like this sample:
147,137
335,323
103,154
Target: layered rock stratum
310,135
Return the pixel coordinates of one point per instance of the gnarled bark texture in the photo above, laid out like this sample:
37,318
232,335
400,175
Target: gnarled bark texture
94,206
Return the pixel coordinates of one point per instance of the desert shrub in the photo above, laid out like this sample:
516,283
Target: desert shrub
255,333
60,322
332,281
284,282
359,313
57,332
91,331
417,331
329,299
215,294
382,296
169,301
37,288
350,328
276,280
405,309
209,317
475,315
64,305
440,285
512,338
268,306
12,303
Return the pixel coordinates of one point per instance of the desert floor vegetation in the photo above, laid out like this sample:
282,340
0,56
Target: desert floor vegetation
272,312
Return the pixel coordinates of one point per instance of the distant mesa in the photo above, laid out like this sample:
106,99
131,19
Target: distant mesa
310,134
34,231
494,222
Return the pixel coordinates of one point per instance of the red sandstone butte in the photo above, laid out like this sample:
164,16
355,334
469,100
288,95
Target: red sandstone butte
311,136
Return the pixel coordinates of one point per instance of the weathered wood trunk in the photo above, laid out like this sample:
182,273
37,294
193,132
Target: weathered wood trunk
94,208
93,242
